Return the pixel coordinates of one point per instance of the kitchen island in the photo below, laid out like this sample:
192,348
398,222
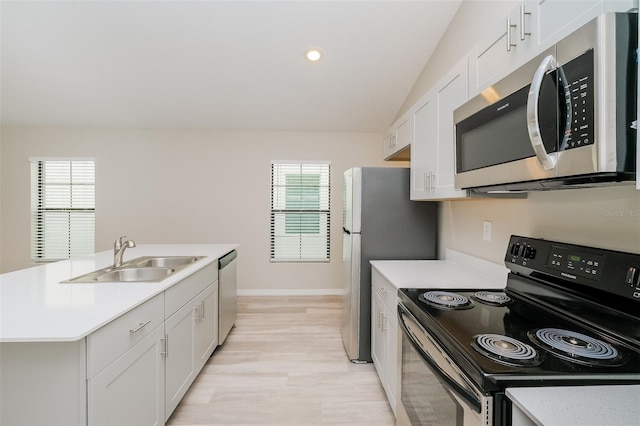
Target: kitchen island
71,352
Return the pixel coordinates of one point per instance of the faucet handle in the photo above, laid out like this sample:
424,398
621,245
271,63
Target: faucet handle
118,243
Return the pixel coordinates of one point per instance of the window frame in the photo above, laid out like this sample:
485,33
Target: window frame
63,245
278,214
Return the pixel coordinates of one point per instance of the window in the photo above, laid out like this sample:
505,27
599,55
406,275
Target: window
300,217
62,208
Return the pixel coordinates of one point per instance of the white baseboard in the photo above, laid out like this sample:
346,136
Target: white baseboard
290,292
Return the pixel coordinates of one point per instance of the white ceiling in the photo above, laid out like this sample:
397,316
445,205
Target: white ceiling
234,65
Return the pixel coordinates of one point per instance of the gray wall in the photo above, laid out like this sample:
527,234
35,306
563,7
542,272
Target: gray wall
182,186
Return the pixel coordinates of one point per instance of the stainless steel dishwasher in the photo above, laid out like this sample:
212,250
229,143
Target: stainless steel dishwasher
227,295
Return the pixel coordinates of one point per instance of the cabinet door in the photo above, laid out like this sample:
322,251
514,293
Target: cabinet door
206,324
130,391
377,338
503,48
451,92
180,370
389,143
404,131
390,332
399,137
555,19
494,56
424,147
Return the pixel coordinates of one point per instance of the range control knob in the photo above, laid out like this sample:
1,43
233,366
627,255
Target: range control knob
633,277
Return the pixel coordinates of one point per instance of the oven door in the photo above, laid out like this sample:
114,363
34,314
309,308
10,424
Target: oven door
433,390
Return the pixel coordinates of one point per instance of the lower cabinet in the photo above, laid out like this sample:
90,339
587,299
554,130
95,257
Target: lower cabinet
384,335
206,324
144,385
130,391
191,336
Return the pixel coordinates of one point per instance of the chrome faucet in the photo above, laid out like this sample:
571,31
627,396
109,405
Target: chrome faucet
120,245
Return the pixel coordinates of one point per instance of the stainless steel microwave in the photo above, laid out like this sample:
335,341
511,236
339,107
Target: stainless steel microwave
566,118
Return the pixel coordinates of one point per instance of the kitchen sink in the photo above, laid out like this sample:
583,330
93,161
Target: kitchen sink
140,269
135,274
167,262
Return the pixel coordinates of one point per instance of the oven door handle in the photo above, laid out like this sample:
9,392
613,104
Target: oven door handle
458,385
548,161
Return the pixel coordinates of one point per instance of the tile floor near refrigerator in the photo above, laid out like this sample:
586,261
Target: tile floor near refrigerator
284,364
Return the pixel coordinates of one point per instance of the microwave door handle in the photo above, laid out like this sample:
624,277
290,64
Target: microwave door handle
548,161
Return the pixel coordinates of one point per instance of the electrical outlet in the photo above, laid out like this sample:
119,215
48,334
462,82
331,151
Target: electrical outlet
486,231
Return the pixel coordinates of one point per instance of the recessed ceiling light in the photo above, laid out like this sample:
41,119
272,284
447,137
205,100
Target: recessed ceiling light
313,54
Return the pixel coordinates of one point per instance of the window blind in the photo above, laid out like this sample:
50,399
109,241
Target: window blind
62,209
300,216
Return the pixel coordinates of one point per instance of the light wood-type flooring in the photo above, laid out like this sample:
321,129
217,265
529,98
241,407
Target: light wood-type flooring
284,364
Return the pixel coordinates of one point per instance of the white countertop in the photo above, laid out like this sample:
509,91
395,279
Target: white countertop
459,270
36,307
579,405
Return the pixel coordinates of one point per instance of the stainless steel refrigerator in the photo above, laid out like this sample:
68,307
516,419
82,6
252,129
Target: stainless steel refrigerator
380,222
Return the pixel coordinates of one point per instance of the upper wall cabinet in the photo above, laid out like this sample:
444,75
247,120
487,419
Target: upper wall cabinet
399,138
432,151
529,29
555,19
502,49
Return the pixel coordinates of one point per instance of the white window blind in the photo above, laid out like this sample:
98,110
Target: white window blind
62,208
300,217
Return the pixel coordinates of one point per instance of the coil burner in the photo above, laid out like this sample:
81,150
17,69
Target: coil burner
494,298
445,300
576,347
505,350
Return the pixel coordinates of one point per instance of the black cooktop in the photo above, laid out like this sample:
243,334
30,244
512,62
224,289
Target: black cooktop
459,330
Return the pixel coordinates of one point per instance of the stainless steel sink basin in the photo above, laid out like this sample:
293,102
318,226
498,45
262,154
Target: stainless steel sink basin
135,274
140,269
167,262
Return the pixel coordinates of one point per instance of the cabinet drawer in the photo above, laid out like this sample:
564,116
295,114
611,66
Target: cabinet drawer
106,344
178,295
388,293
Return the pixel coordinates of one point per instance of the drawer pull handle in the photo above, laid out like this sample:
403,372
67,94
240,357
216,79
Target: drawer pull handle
139,327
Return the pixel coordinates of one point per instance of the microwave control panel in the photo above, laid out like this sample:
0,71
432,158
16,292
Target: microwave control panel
576,77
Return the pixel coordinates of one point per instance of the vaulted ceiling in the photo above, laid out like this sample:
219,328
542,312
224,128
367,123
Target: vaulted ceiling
233,65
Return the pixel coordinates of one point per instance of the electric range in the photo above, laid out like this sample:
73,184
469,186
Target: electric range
569,315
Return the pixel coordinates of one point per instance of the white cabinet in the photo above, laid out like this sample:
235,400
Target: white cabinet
125,368
556,19
191,337
432,152
384,335
206,324
191,332
180,355
130,391
399,138
503,48
530,28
